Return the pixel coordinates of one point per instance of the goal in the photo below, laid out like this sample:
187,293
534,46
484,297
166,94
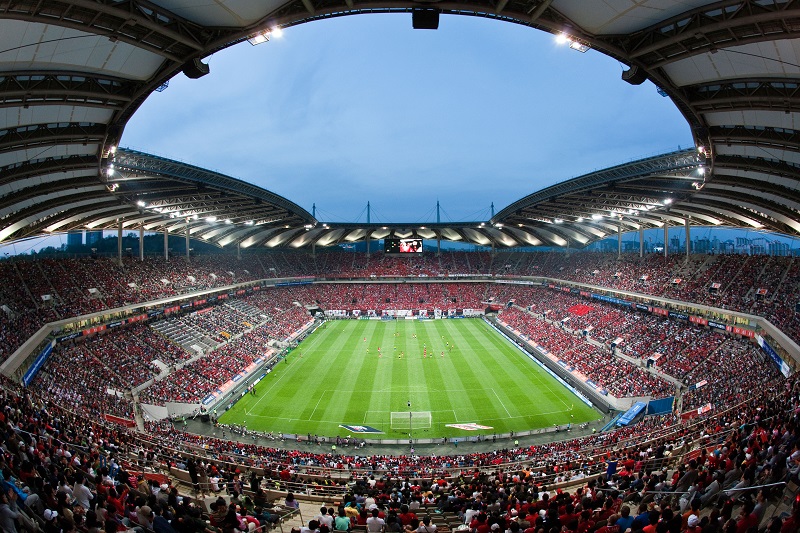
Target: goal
411,420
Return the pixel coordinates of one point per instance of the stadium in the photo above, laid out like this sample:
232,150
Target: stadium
251,368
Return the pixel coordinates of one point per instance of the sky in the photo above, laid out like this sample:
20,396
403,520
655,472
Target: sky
364,108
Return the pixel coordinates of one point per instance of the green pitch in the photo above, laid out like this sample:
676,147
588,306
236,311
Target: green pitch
462,371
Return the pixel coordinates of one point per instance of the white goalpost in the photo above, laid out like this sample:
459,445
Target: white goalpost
411,420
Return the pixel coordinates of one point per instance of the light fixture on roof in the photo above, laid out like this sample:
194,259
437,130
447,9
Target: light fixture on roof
248,223
558,221
701,149
597,216
265,35
667,201
580,47
562,38
228,221
211,218
580,219
112,149
259,38
308,226
422,227
701,170
195,217
698,184
498,225
141,203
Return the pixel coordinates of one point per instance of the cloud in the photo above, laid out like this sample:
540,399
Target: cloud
343,111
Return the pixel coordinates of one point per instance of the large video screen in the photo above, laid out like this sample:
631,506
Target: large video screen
402,246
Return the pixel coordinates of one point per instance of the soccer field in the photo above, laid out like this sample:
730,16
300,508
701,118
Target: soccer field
357,372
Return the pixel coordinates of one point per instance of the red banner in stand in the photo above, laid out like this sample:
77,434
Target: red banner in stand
744,332
659,311
124,422
95,329
698,320
173,309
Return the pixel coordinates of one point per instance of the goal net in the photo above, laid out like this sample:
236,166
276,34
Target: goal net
411,420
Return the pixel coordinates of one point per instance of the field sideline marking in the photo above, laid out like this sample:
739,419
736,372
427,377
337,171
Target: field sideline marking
248,413
311,416
501,403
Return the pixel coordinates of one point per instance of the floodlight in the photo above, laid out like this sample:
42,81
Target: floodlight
580,47
141,203
562,38
667,201
228,221
277,31
259,38
597,216
248,223
557,220
211,219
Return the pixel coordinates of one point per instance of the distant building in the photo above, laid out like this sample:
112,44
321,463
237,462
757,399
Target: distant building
779,248
75,239
701,246
93,236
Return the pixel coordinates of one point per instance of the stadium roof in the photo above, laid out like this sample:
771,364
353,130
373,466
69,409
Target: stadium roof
73,72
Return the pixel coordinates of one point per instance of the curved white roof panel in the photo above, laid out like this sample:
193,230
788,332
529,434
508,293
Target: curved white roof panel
73,72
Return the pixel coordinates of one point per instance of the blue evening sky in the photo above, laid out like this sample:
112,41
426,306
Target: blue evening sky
342,111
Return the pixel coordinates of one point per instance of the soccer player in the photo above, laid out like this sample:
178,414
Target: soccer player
442,353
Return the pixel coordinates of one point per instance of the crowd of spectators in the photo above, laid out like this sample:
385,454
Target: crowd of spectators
54,446
57,428
613,374
47,289
731,371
